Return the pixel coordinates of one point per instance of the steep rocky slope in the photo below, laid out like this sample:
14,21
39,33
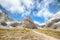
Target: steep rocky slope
54,22
4,16
29,23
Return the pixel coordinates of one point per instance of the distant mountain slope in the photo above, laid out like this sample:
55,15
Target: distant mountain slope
54,22
29,23
8,22
56,16
4,16
4,19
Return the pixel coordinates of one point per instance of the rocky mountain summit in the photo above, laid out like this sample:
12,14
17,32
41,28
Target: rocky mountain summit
29,23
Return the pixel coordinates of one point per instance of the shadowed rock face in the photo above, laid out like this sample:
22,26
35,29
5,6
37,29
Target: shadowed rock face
54,22
56,25
3,23
28,23
4,17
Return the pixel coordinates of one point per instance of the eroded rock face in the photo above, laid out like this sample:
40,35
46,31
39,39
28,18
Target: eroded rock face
28,23
56,25
3,23
7,22
4,17
54,22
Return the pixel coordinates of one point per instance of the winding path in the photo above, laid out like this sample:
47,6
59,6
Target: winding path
45,37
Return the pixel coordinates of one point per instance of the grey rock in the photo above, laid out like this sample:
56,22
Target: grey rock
54,22
28,23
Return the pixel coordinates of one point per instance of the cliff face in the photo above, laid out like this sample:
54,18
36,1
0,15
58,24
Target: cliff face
54,22
29,23
4,17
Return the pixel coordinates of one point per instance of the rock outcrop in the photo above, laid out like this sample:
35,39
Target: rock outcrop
4,17
28,23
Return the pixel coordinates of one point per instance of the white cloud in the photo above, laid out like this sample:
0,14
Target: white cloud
45,13
44,9
36,22
22,5
27,3
12,5
17,5
47,2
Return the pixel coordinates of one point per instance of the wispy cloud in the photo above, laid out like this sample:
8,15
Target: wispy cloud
44,9
25,7
12,5
45,13
17,5
22,5
36,22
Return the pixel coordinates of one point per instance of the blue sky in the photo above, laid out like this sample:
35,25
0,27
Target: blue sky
39,10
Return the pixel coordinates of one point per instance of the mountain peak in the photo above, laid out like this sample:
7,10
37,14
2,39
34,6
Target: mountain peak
4,16
28,22
28,18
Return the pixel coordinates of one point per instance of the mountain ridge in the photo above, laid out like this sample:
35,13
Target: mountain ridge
54,22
